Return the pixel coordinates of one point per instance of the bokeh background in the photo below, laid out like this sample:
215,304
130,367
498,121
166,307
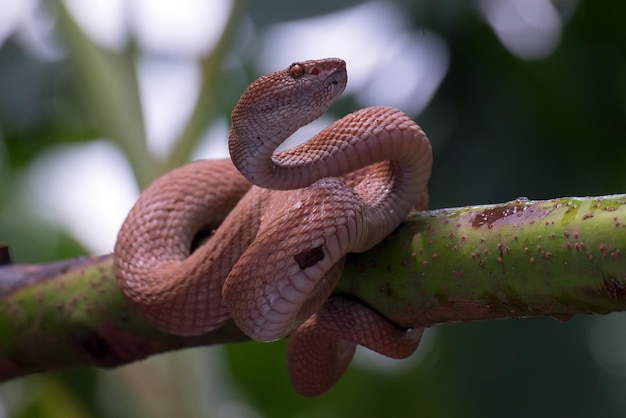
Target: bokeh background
519,98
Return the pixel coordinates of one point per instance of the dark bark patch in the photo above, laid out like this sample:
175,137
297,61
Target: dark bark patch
614,287
97,348
509,214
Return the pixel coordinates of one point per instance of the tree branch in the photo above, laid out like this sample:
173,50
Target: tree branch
524,258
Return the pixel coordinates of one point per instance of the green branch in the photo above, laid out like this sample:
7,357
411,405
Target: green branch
559,257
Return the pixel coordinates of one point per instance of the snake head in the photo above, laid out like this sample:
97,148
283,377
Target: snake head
278,104
306,85
317,82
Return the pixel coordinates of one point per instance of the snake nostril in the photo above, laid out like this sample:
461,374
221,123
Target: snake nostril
309,258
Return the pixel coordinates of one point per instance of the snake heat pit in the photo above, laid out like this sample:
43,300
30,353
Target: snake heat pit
286,222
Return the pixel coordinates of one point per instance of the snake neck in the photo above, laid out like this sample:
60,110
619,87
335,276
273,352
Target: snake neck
363,138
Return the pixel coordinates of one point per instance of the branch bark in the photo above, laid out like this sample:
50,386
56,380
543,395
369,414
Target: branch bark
558,257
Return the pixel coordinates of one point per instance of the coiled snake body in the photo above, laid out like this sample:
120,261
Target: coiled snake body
278,252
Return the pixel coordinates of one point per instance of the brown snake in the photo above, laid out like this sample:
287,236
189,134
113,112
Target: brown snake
278,252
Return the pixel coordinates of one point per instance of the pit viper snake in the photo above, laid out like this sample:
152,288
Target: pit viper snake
282,224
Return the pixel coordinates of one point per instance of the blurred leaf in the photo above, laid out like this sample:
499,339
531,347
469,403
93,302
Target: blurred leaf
54,398
40,105
521,368
359,393
110,83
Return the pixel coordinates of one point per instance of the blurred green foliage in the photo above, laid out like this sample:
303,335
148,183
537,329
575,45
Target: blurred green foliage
501,128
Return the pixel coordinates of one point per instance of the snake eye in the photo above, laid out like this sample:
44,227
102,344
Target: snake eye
296,70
